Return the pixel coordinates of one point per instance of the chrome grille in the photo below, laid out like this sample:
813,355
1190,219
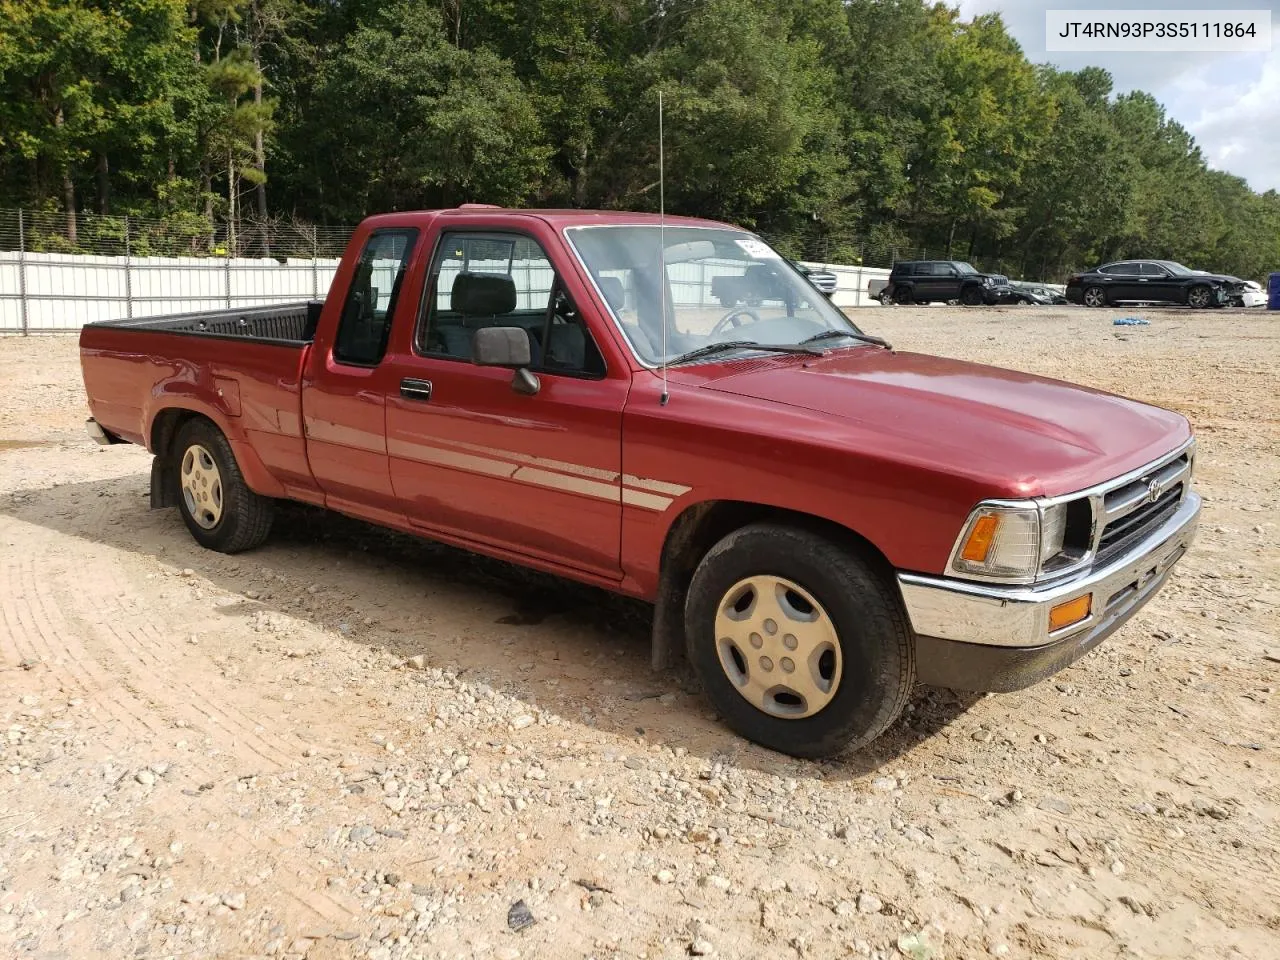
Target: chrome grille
1120,533
1135,508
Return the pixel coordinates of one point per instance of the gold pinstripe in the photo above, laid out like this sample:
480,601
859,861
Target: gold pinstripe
587,481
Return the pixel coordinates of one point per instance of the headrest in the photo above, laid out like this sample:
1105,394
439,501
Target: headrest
482,294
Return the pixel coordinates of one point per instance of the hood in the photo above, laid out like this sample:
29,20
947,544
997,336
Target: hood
1220,277
1020,434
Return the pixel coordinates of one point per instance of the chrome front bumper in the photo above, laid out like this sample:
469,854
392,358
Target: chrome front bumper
1015,619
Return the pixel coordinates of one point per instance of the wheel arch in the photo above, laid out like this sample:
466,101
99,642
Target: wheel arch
162,432
700,526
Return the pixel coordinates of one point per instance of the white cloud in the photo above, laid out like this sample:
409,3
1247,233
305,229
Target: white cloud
1229,102
1238,125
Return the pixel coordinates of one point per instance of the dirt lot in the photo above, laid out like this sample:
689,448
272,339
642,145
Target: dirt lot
211,756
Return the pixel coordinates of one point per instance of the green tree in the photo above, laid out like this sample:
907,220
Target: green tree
401,117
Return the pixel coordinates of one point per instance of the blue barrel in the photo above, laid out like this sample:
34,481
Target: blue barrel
1273,292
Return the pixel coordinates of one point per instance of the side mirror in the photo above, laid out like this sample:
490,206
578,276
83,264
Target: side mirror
506,347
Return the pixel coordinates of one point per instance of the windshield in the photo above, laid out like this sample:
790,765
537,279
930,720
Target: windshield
1177,269
965,267
721,285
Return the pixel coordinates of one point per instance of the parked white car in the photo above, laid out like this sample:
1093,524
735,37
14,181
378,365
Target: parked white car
1253,295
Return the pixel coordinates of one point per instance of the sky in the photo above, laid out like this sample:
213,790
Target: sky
1230,102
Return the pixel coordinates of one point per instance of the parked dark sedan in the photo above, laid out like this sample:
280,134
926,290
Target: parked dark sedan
1032,293
1150,281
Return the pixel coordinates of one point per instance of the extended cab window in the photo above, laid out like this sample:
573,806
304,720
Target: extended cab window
371,299
503,280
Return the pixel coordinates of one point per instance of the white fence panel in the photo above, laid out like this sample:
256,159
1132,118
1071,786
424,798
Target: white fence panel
64,291
49,292
853,283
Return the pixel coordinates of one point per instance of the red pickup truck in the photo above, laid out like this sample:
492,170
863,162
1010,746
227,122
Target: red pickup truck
819,520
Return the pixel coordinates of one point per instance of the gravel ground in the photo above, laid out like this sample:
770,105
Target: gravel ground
350,743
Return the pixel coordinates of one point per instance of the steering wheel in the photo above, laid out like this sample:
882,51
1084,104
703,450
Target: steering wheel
732,320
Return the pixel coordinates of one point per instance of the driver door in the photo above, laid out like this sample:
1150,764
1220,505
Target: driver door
1158,283
470,456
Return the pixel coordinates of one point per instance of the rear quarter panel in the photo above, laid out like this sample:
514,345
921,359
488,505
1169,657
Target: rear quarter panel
250,390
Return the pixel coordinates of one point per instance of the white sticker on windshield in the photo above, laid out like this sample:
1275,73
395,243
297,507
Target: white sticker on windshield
755,249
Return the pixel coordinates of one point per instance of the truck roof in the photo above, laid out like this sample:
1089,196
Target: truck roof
557,218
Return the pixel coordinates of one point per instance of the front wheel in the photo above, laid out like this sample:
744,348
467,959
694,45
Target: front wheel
971,296
801,645
1199,297
217,506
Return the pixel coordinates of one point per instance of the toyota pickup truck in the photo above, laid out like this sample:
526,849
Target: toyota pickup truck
820,521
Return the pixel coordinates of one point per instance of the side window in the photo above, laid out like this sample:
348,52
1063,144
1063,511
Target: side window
1153,270
1123,270
371,300
567,344
503,280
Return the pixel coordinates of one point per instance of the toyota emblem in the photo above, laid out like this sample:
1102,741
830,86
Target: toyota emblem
1154,489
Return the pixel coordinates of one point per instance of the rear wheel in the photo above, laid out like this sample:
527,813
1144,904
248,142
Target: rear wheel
1095,297
904,295
800,643
217,506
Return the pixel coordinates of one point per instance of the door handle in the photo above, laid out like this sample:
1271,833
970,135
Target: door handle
414,389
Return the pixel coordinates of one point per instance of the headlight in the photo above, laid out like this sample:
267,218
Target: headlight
1010,542
988,282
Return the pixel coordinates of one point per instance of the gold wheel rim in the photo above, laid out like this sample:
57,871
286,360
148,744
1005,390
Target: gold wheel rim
778,647
201,486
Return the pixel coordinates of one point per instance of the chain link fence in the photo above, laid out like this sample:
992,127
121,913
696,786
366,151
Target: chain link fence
184,235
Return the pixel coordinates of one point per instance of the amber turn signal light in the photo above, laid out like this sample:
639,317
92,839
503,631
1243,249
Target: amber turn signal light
980,539
1073,611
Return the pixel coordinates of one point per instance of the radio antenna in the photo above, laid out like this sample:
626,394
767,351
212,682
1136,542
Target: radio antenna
662,251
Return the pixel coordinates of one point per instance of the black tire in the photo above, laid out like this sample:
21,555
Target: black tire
245,517
904,295
1094,297
877,649
971,296
1200,297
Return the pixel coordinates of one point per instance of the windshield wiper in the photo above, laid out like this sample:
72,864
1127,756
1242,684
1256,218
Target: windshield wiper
832,334
714,348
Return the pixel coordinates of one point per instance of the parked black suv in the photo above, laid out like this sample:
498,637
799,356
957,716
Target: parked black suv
924,281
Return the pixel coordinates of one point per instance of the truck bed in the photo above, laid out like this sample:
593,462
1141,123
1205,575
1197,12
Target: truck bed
241,368
292,324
